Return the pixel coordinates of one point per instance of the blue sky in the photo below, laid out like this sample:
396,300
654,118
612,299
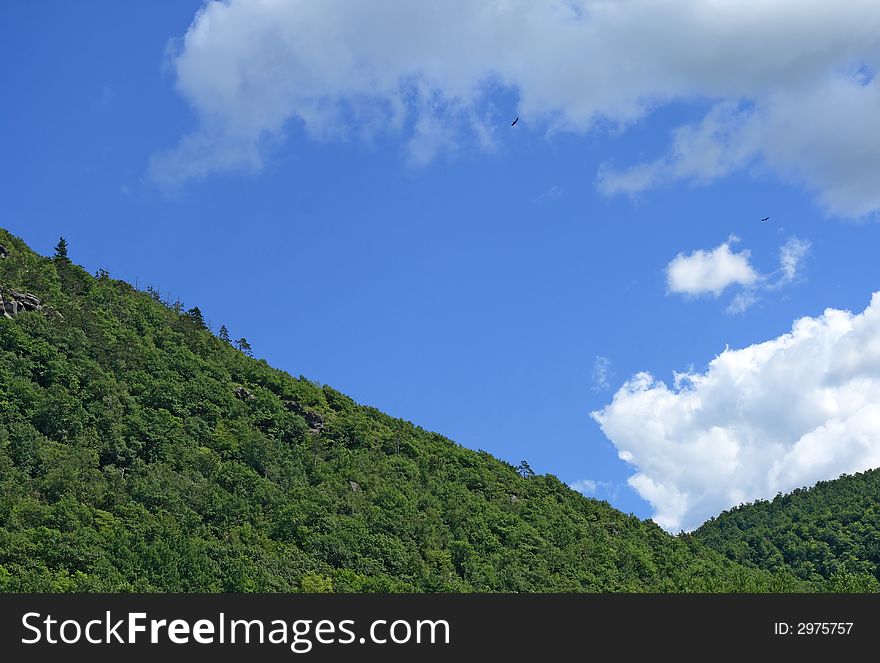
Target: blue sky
413,250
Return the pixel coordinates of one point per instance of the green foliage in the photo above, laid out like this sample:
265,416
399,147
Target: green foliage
196,317
138,452
828,535
525,470
61,250
315,583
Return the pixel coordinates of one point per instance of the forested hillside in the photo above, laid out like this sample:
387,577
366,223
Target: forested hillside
829,534
139,451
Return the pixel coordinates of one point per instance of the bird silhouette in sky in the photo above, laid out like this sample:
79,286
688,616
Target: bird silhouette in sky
765,219
515,121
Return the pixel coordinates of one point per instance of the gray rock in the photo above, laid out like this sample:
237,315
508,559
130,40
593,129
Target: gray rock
355,486
4,252
13,302
314,421
293,406
243,394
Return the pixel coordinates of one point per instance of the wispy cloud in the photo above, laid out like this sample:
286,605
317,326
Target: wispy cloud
601,373
598,489
742,301
552,193
592,488
585,486
107,95
791,259
791,80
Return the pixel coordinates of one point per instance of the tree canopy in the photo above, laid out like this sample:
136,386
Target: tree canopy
828,535
139,452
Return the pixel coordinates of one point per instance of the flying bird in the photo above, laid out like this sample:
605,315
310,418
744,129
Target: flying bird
515,121
765,219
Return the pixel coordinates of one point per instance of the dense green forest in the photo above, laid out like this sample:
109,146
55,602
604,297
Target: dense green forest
829,533
139,451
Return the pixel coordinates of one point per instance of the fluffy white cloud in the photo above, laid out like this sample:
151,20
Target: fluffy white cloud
771,417
711,272
703,272
789,82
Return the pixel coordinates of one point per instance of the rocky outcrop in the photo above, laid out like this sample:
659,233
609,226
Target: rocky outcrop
3,252
13,302
314,421
243,394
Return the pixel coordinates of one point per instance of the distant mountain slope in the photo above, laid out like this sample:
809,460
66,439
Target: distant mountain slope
139,452
828,534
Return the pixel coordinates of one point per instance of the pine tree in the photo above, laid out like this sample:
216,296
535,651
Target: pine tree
244,346
195,314
525,470
224,334
61,251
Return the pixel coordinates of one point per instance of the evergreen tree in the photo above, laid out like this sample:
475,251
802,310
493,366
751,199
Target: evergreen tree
224,334
61,250
195,314
244,346
525,470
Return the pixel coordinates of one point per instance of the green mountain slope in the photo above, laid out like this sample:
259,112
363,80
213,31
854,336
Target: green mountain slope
828,534
139,452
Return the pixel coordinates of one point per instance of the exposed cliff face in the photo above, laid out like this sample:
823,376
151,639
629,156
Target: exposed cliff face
13,302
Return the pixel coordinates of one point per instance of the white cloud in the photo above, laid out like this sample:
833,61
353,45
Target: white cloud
592,488
718,144
741,302
585,486
601,373
824,133
789,82
712,272
791,258
705,272
771,417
